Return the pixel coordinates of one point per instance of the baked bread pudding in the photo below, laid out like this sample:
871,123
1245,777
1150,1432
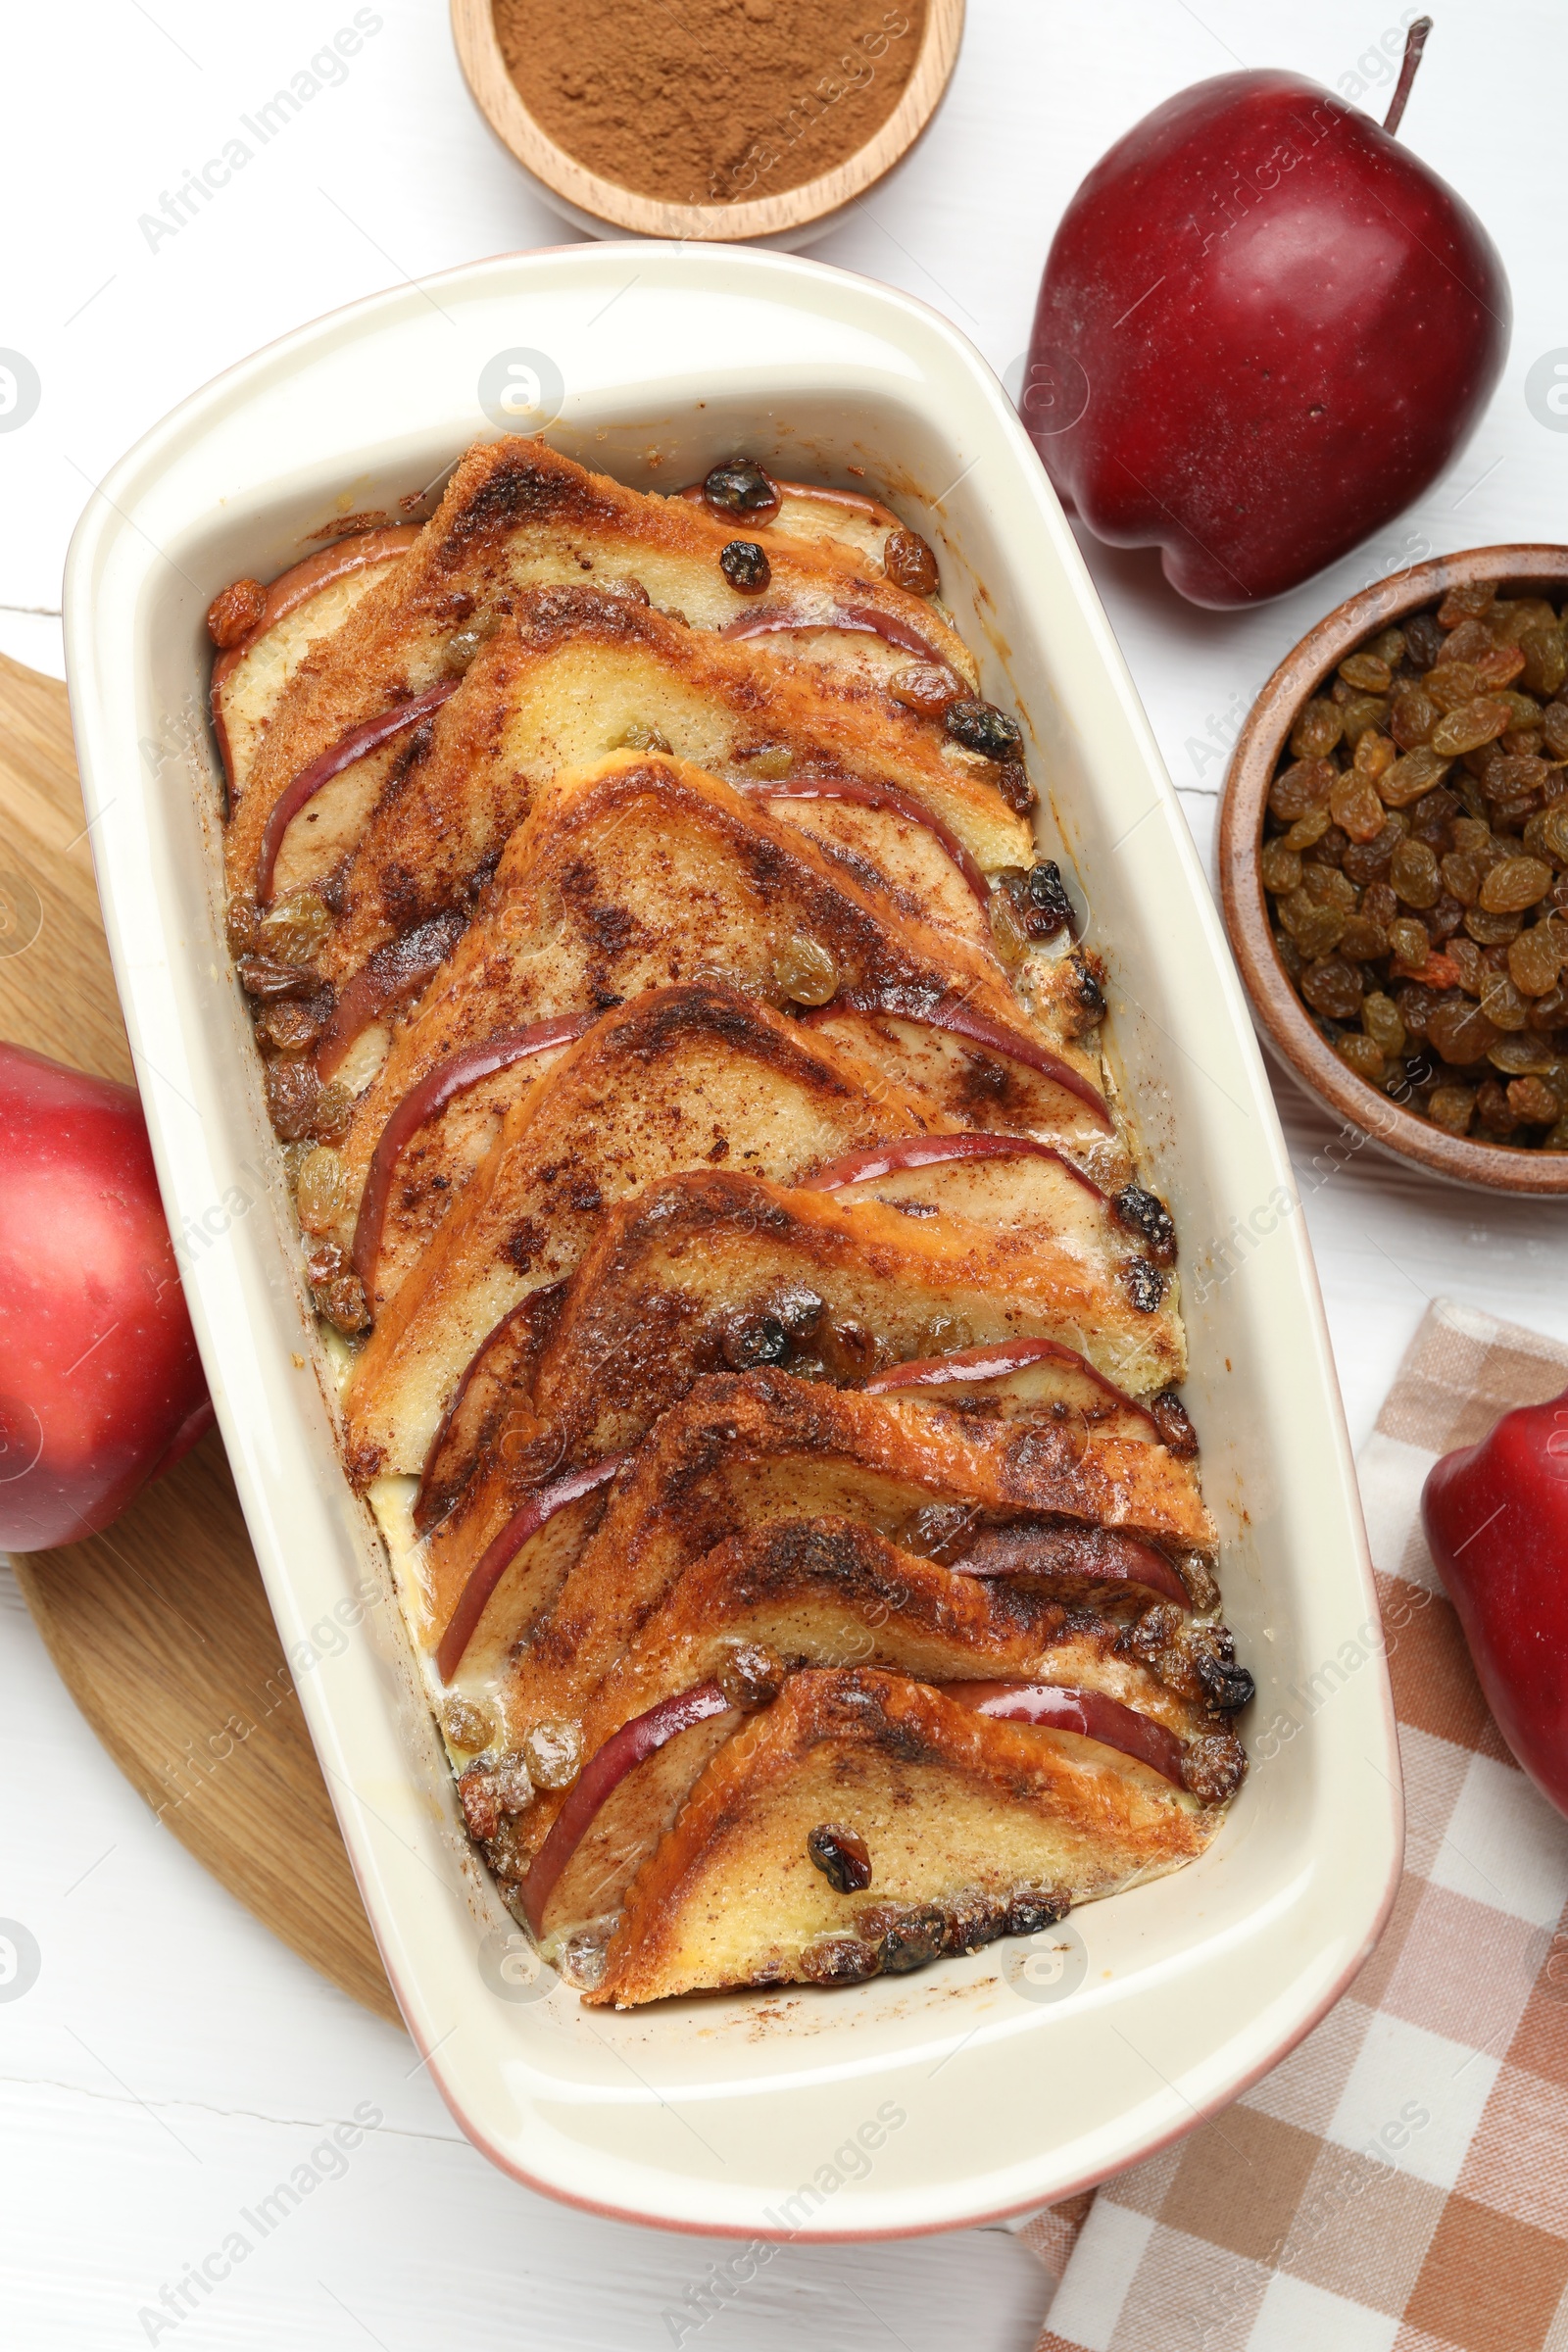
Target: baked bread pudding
757,1339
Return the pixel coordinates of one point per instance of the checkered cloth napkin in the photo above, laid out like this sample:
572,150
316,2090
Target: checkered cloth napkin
1400,2183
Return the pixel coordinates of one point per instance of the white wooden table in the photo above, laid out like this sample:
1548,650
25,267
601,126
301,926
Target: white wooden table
172,2063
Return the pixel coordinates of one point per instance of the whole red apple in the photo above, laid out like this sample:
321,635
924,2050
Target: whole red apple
1263,329
1496,1523
101,1387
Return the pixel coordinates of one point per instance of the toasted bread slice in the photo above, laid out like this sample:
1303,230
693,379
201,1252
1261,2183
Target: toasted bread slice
303,607
702,1270
830,1592
517,516
740,1450
675,1078
680,1078
951,1805
576,673
644,871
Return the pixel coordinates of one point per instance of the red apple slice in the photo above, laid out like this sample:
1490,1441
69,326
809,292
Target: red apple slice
1094,1554
499,1554
393,973
883,795
995,1362
620,1753
428,1100
429,1509
901,1004
935,1151
858,619
1060,1707
368,737
305,579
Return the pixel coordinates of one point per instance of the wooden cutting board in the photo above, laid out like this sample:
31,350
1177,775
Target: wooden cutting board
160,1628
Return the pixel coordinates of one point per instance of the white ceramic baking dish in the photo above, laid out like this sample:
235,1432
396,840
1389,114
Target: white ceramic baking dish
985,2085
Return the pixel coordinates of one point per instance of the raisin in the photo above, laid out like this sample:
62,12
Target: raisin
910,563
336,1290
1379,1019
234,611
1364,942
925,689
1013,782
1515,883
914,1939
1305,785
1412,716
1360,1055
294,1023
1333,987
1535,960
1491,930
1215,1766
466,1724
1423,639
841,1855
266,980
1413,874
1532,1102
1466,601
1470,725
1144,1283
296,929
1544,663
1374,755
1493,1108
1452,1108
1307,831
553,1752
746,567
740,486
838,1960
1226,1687
1461,1033
1175,1425
1356,808
1367,671
750,1676
1362,711
974,1918
1280,867
804,973
1502,1003
292,1087
750,1341
463,647
1050,910
982,728
1033,1908
1142,1211
1318,728
1412,777
319,1190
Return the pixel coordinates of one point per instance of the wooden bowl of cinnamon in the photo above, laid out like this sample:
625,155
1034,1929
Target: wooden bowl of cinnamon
741,119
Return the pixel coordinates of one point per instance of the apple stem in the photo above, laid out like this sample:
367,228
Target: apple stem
1415,40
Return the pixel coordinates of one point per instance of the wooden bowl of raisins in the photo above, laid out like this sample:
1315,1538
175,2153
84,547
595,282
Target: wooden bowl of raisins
1394,864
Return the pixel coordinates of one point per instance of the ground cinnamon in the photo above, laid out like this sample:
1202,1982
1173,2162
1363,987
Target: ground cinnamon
710,101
